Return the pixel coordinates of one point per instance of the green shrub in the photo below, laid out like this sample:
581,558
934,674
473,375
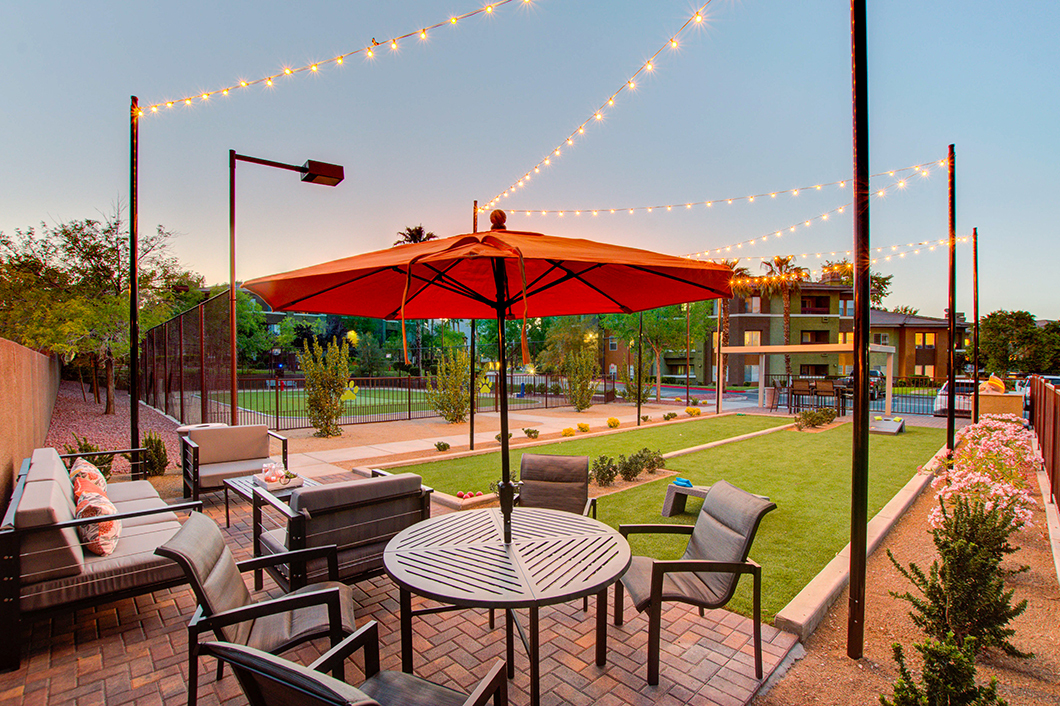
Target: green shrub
694,401
651,461
814,417
964,590
630,391
580,368
441,446
629,468
498,436
604,471
531,433
948,677
326,375
541,388
155,458
645,418
449,392
555,389
102,461
669,415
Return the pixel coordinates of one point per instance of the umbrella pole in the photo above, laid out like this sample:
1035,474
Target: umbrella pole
506,489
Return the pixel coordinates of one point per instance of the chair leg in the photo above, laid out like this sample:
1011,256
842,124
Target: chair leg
220,669
492,619
757,626
702,613
193,667
619,596
654,640
585,604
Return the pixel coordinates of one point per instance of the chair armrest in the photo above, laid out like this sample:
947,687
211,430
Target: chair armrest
626,530
283,444
366,636
261,496
327,551
590,508
722,567
495,682
291,601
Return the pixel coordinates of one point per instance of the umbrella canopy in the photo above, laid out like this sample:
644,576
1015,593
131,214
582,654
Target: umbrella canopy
498,274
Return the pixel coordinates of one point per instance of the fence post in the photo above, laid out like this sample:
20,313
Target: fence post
205,411
180,368
408,382
277,403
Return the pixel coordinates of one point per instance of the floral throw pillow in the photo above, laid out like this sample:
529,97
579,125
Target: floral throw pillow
85,469
83,485
98,537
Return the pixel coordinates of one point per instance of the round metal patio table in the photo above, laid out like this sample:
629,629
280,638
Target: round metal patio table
460,560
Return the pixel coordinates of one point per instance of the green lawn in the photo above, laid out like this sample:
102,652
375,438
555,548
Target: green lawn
369,401
477,472
807,475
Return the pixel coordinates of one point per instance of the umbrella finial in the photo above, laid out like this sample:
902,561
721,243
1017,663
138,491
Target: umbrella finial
497,219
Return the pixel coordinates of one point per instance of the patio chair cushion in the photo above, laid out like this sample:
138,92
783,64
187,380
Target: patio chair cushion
276,629
48,555
554,482
129,491
684,587
133,564
212,475
98,537
223,444
142,504
401,688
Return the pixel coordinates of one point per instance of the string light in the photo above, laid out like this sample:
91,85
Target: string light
911,249
730,200
316,66
629,85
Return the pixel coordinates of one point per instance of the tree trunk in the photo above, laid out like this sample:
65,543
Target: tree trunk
658,373
108,365
95,377
723,340
787,332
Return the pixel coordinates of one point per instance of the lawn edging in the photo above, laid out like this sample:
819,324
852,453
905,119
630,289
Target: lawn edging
805,612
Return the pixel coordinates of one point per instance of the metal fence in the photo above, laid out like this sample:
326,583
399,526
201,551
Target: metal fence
185,364
915,395
1045,418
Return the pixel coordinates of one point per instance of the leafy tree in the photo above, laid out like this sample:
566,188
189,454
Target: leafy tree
784,278
948,677
449,392
564,336
1009,340
581,367
414,234
739,290
487,341
327,373
370,358
252,335
879,285
906,309
296,331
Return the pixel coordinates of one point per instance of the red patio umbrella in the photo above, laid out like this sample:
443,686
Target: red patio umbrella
498,274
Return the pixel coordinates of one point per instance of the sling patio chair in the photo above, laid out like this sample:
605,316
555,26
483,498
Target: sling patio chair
226,607
799,391
271,681
555,482
707,574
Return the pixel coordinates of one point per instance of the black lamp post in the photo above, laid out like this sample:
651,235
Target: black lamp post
311,171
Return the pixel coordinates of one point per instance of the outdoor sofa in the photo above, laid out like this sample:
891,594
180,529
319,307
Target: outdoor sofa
209,456
44,569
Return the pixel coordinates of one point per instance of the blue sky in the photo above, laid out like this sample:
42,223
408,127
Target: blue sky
756,99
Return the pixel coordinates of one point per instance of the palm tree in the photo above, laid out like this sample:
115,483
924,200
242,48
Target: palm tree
739,289
783,278
414,234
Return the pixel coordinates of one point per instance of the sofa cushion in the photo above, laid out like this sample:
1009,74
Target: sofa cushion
231,443
132,565
144,504
47,555
119,492
211,475
46,465
98,537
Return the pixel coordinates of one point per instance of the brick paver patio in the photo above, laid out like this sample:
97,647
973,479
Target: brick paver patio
135,651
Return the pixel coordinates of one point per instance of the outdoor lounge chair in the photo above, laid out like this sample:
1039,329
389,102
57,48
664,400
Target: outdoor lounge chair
272,681
708,572
225,604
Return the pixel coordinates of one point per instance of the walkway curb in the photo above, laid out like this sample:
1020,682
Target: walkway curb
806,610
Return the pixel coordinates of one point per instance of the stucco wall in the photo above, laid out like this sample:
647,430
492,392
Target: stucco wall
29,384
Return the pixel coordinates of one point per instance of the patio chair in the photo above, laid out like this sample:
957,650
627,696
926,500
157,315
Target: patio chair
555,482
707,573
225,605
799,391
827,388
271,681
778,388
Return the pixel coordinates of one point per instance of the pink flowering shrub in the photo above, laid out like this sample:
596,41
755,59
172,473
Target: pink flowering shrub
993,462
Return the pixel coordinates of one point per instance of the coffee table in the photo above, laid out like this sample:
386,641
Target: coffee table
243,486
460,560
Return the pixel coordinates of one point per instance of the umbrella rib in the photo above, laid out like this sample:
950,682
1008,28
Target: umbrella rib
442,280
569,276
682,280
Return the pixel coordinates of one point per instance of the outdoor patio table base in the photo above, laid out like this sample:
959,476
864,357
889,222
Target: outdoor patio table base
461,561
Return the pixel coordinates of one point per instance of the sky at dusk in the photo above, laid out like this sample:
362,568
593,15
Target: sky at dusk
753,100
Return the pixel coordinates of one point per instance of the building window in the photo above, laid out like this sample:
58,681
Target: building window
814,337
612,343
924,340
846,307
846,336
714,339
752,338
925,370
813,370
881,339
750,373
816,305
754,305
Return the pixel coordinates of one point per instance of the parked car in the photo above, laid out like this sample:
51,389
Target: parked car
877,380
962,400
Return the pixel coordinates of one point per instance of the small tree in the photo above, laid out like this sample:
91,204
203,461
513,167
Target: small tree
581,367
630,391
370,358
948,677
449,391
326,374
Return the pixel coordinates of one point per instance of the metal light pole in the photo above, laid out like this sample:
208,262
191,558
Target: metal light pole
951,374
134,281
975,325
311,171
859,491
473,398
